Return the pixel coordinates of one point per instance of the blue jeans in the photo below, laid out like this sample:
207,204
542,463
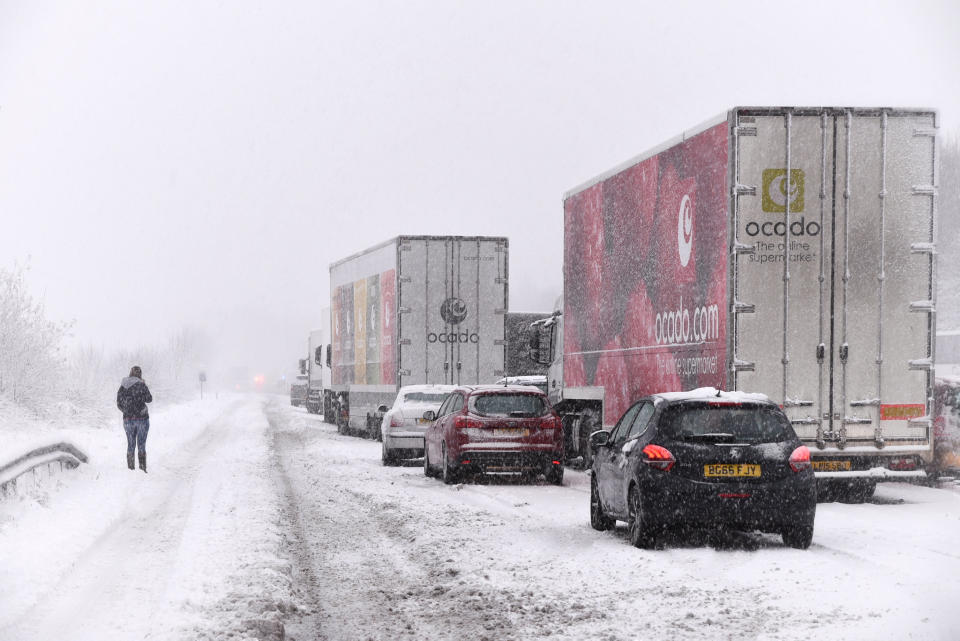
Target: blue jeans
136,429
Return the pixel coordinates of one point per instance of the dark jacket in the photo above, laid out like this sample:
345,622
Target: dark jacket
132,398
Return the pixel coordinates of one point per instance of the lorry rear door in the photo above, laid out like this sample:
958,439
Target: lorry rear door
832,269
452,301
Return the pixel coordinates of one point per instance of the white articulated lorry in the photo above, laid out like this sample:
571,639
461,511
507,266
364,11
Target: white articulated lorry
415,310
788,251
319,352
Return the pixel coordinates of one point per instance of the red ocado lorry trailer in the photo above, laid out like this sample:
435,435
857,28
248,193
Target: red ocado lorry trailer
415,310
787,251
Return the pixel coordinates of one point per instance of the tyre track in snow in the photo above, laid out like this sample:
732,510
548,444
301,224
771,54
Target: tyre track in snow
110,563
143,577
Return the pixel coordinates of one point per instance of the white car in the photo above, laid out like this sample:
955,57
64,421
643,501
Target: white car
403,425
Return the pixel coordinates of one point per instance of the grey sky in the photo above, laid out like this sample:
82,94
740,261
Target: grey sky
202,163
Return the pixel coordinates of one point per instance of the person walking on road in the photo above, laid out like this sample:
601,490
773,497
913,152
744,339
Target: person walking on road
132,399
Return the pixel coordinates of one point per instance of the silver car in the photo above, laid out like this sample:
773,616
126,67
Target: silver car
403,425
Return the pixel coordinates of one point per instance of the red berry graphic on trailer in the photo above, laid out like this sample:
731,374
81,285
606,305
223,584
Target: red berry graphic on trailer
613,376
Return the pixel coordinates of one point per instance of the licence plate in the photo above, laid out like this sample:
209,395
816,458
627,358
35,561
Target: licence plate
511,431
832,466
731,469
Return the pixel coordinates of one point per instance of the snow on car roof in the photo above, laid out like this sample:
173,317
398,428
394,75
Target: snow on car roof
529,379
526,389
712,393
427,388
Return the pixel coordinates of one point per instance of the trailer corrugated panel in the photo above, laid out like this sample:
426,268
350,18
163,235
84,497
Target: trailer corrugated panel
452,298
832,269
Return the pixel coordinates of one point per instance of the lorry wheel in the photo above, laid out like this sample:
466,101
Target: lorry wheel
598,520
798,537
857,491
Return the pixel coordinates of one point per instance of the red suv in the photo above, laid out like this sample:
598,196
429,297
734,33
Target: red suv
494,429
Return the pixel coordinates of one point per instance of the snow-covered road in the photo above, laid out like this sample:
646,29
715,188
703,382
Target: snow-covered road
255,513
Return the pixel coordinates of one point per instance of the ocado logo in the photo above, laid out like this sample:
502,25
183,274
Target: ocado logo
453,311
685,229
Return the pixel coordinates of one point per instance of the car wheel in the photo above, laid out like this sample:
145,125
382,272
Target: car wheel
641,533
449,476
798,537
598,520
426,462
387,456
555,474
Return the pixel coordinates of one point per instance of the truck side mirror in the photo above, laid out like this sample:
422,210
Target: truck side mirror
303,366
318,356
329,355
534,344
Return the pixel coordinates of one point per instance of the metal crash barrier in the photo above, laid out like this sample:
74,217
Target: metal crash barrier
52,457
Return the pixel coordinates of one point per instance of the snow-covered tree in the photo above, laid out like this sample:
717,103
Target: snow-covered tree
31,358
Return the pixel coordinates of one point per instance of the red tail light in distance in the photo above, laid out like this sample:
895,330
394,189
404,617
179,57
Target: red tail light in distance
658,457
800,459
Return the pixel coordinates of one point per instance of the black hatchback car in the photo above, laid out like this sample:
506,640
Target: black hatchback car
703,459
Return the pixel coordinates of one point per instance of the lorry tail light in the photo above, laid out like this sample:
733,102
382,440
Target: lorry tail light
800,459
902,464
658,457
463,422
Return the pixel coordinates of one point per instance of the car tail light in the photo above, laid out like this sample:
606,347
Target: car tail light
463,422
550,423
658,457
396,421
800,459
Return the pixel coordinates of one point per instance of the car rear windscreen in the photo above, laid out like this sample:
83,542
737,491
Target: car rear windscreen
743,424
425,397
515,405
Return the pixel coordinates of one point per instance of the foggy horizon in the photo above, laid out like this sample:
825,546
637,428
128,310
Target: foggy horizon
177,165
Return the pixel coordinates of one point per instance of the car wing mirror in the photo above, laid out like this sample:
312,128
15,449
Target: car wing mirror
382,409
430,415
599,438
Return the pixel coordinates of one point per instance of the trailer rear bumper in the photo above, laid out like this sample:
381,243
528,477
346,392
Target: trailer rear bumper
875,473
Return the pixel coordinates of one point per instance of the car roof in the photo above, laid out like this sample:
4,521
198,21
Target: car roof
498,389
426,388
711,394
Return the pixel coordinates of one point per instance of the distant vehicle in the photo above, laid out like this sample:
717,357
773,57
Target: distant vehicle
494,429
415,310
537,380
298,389
703,459
403,425
320,397
782,250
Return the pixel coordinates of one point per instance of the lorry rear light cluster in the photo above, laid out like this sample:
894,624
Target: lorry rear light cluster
463,422
658,457
902,464
800,459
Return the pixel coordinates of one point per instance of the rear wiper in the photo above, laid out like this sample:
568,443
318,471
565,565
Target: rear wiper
710,436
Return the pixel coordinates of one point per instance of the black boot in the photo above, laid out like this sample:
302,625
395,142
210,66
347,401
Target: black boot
130,460
143,460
